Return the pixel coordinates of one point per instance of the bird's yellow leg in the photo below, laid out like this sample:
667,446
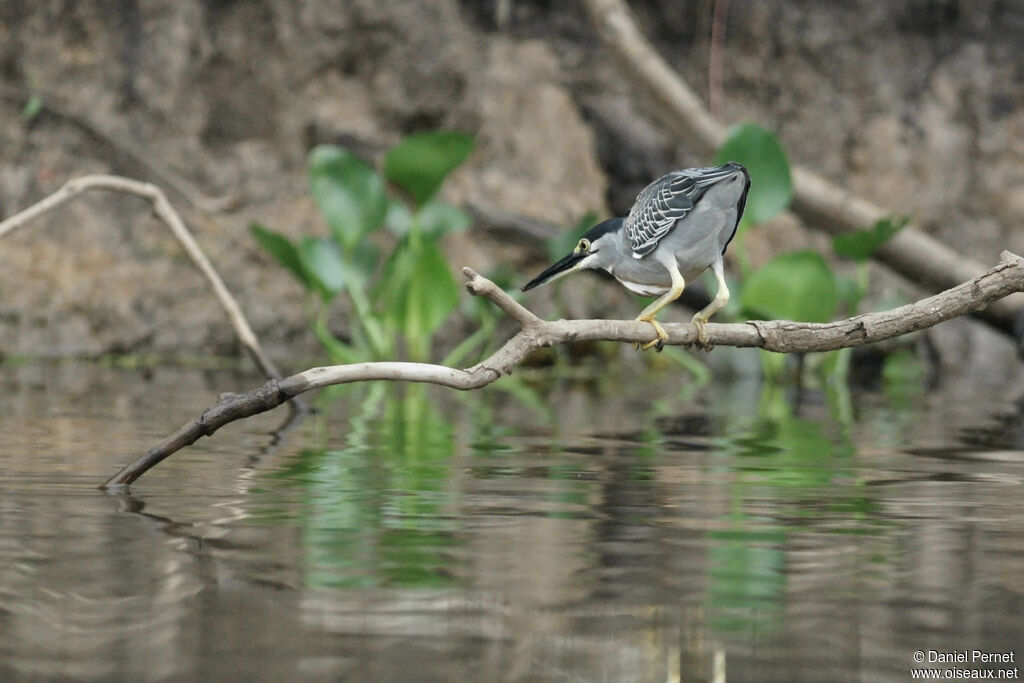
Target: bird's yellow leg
720,300
647,315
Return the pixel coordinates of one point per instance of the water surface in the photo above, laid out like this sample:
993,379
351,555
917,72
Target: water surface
578,533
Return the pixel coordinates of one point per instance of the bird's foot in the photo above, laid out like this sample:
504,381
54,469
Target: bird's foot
702,342
659,342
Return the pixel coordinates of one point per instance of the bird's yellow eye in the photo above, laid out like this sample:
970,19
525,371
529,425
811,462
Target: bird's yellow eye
583,246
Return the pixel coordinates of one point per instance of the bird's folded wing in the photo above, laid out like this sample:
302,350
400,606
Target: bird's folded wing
665,202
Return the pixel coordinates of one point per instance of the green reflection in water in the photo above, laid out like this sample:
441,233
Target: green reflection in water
792,467
379,512
747,575
566,484
903,376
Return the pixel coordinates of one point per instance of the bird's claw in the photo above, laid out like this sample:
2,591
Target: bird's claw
659,342
656,344
702,342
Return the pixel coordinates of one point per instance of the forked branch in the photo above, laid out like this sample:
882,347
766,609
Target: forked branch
774,335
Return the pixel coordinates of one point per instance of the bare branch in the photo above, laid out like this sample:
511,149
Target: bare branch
821,203
774,335
481,286
168,215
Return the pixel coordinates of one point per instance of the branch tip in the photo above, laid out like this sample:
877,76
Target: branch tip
1009,258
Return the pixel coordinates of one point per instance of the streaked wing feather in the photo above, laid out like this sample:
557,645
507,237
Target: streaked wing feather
665,202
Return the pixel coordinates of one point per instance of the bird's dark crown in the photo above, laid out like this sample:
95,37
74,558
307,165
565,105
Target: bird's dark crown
602,229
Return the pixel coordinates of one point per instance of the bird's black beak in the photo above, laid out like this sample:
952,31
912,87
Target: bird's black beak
563,267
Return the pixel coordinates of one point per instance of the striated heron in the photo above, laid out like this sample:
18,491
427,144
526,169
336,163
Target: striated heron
679,226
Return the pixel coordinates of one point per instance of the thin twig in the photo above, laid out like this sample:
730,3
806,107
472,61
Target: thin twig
821,203
775,335
165,212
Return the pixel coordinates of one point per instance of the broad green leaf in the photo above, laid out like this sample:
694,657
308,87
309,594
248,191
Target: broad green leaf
771,187
439,218
282,249
323,263
859,245
419,163
348,192
794,286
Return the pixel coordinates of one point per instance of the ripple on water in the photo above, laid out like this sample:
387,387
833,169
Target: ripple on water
403,537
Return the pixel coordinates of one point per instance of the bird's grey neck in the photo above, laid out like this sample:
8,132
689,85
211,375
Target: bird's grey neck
617,248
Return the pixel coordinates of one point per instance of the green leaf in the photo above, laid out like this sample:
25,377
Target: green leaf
859,245
419,163
795,286
438,218
282,249
771,187
348,192
323,263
